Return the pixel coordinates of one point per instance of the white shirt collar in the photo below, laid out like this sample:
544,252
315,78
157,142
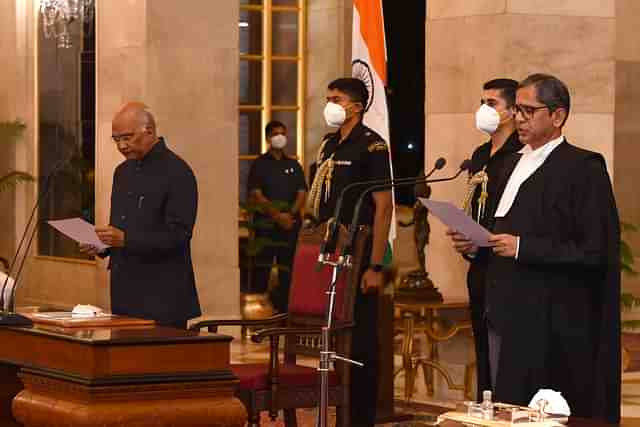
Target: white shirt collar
543,151
530,161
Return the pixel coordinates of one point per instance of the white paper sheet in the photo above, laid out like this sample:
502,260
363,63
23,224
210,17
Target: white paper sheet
79,230
456,219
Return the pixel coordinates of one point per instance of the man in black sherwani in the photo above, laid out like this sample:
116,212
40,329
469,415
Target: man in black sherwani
154,200
553,280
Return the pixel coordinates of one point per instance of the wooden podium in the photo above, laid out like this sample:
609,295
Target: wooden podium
116,376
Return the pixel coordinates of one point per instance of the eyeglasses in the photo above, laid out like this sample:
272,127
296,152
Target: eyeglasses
528,111
124,137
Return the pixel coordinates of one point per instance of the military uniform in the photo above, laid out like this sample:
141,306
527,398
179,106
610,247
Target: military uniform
493,171
362,156
279,180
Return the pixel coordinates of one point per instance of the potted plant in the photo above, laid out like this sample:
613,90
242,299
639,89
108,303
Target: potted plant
9,134
627,300
630,340
255,305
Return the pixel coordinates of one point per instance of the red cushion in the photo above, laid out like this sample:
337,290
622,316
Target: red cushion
309,287
253,376
301,376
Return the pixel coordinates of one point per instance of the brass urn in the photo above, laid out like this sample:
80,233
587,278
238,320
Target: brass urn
255,306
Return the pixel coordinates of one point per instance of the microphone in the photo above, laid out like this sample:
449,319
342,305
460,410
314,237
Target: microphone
464,166
330,238
8,317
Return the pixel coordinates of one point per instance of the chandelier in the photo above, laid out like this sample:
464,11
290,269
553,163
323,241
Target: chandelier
58,15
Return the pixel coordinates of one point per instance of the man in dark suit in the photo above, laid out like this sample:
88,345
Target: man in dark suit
154,200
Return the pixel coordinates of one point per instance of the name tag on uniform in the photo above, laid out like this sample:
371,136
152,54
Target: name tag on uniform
342,162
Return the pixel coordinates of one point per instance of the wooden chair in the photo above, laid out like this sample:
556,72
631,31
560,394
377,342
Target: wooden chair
283,384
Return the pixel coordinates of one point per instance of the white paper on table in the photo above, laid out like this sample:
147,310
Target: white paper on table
79,230
456,219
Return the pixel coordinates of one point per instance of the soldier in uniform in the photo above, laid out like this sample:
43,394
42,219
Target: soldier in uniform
491,165
351,154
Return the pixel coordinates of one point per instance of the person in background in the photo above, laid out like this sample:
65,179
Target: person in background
276,182
491,165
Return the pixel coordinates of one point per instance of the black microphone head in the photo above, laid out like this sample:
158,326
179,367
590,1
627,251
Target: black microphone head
465,165
440,163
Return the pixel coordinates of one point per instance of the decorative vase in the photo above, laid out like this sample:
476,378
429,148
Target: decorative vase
255,306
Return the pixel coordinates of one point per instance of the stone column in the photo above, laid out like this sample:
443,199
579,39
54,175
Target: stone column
329,57
8,57
626,124
469,43
181,59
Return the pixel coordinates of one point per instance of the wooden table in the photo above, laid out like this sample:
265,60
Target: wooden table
573,422
424,317
128,376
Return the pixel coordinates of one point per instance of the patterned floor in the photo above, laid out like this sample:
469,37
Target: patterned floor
424,409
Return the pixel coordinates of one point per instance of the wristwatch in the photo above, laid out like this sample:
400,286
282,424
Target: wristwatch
376,267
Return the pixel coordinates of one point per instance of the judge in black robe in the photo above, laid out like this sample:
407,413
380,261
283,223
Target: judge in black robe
498,168
555,305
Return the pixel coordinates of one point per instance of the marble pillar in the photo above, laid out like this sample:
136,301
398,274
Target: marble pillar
627,126
329,24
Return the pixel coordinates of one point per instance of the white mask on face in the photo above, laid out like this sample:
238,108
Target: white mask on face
487,119
334,114
279,141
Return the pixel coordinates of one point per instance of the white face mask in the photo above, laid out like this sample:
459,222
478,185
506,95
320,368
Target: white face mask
279,141
334,114
487,119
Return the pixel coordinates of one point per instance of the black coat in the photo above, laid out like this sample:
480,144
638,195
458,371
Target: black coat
498,168
557,306
154,201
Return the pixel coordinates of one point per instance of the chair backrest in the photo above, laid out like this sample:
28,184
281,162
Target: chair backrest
308,296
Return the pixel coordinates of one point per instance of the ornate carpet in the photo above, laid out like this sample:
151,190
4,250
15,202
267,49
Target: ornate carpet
421,416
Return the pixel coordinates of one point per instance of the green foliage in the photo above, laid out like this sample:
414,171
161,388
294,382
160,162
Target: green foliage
9,134
12,179
255,222
627,300
10,131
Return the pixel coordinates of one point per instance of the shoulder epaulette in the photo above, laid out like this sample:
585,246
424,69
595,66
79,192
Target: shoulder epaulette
378,146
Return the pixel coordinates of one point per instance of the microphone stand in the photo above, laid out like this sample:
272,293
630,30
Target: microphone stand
328,244
346,252
327,357
10,317
343,261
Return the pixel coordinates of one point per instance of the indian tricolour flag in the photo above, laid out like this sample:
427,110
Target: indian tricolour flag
369,59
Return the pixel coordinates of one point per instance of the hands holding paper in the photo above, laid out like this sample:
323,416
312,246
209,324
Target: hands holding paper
502,244
461,243
110,236
505,245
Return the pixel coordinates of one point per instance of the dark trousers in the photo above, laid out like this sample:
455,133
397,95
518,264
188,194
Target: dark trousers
364,381
476,286
281,252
